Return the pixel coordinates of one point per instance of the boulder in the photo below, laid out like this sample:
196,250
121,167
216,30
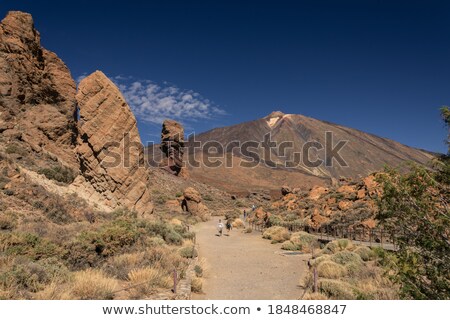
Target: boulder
192,202
109,148
285,190
317,192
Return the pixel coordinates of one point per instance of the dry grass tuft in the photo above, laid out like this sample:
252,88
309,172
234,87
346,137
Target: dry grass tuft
365,253
92,284
197,285
121,265
53,291
314,296
331,270
337,290
347,257
147,280
291,246
277,234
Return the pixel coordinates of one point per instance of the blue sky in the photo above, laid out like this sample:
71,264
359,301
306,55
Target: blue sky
379,66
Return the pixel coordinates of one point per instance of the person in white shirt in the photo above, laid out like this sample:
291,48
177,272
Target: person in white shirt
220,228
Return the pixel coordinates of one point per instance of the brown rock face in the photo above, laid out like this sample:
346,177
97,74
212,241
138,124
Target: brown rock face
172,143
192,203
37,92
110,150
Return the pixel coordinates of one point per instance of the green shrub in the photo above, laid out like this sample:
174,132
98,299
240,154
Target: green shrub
274,220
188,252
304,239
167,231
337,245
57,212
59,173
365,253
8,192
344,244
124,213
34,275
346,257
331,248
15,149
90,246
161,199
198,271
172,237
29,245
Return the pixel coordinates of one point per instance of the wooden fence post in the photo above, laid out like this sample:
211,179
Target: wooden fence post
315,280
175,280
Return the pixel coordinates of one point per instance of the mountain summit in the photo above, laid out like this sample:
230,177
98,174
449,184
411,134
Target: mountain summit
303,152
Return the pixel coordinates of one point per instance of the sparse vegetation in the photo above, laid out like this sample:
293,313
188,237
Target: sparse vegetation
344,275
8,220
277,234
146,280
331,270
93,284
58,173
291,246
197,285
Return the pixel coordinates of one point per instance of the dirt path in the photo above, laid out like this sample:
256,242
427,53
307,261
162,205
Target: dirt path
246,267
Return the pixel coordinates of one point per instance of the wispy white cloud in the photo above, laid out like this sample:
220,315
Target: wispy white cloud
81,77
152,102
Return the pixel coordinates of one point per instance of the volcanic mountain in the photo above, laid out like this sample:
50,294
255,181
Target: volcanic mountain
305,152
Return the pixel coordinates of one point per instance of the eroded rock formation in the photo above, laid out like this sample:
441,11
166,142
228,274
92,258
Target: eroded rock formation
110,150
192,202
172,143
37,92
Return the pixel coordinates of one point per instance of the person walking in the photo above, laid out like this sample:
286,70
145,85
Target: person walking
229,226
220,228
245,215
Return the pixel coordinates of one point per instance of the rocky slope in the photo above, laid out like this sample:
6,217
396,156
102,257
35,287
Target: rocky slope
83,142
363,153
37,101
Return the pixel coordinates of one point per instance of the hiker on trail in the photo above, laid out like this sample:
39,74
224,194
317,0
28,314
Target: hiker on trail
229,226
220,228
253,207
245,214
